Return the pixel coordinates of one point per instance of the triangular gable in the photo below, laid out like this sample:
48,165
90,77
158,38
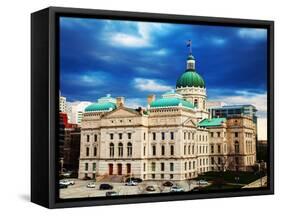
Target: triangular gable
189,122
122,112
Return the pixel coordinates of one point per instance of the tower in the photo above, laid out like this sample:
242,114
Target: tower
192,86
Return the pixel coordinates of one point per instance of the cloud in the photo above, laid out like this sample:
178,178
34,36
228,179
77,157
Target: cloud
152,85
252,33
85,79
135,102
160,52
142,36
218,41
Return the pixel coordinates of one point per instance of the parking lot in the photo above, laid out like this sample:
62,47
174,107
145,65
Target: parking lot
79,189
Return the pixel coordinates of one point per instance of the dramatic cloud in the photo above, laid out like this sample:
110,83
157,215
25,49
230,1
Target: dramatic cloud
150,85
253,33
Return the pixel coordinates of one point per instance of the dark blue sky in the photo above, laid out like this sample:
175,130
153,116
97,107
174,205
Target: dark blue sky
134,59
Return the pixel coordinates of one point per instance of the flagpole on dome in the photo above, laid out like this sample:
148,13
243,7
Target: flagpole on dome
189,43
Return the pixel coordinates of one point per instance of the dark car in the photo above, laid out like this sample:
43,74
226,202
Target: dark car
150,188
106,187
168,184
63,186
111,193
195,189
132,179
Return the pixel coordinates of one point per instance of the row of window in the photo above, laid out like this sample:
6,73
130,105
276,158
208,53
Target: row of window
120,136
172,150
95,138
219,149
218,162
94,166
121,150
218,134
94,152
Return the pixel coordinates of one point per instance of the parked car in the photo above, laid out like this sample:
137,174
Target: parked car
138,180
111,193
106,187
195,189
67,182
63,186
91,185
168,184
150,188
176,189
131,183
202,182
66,174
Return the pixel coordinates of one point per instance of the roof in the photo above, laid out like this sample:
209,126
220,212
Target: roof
190,57
190,78
211,122
171,102
99,107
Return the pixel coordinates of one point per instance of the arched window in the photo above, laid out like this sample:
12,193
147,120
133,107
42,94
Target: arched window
95,151
129,149
196,103
120,150
111,150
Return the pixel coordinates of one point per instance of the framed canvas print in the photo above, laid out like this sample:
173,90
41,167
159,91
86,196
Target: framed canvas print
138,107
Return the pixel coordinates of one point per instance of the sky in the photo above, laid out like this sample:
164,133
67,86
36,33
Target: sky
134,59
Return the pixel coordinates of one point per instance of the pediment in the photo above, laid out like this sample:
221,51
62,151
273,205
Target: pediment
189,123
122,112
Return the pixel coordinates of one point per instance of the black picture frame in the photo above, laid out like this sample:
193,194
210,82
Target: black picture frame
45,111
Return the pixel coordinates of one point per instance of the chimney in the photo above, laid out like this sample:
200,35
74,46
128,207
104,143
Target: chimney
150,99
120,101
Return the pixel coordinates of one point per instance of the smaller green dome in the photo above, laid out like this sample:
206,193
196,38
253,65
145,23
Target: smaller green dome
190,78
171,102
99,107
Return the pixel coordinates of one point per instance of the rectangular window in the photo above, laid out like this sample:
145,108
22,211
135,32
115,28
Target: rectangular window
96,137
212,161
120,136
184,135
163,135
172,150
87,151
212,134
144,166
188,135
144,150
162,167
153,150
111,136
153,166
219,134
88,138
171,166
154,135
143,136
236,134
172,135
162,176
153,176
219,148
129,135
212,149
219,160
162,150
94,166
171,176
189,165
86,166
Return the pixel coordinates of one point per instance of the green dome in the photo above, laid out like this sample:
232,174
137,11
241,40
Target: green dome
170,102
98,107
190,79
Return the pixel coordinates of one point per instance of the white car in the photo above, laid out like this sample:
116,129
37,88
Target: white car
176,189
91,185
67,182
202,182
131,183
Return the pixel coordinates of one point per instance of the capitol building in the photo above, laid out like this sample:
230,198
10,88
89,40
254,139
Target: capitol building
173,138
